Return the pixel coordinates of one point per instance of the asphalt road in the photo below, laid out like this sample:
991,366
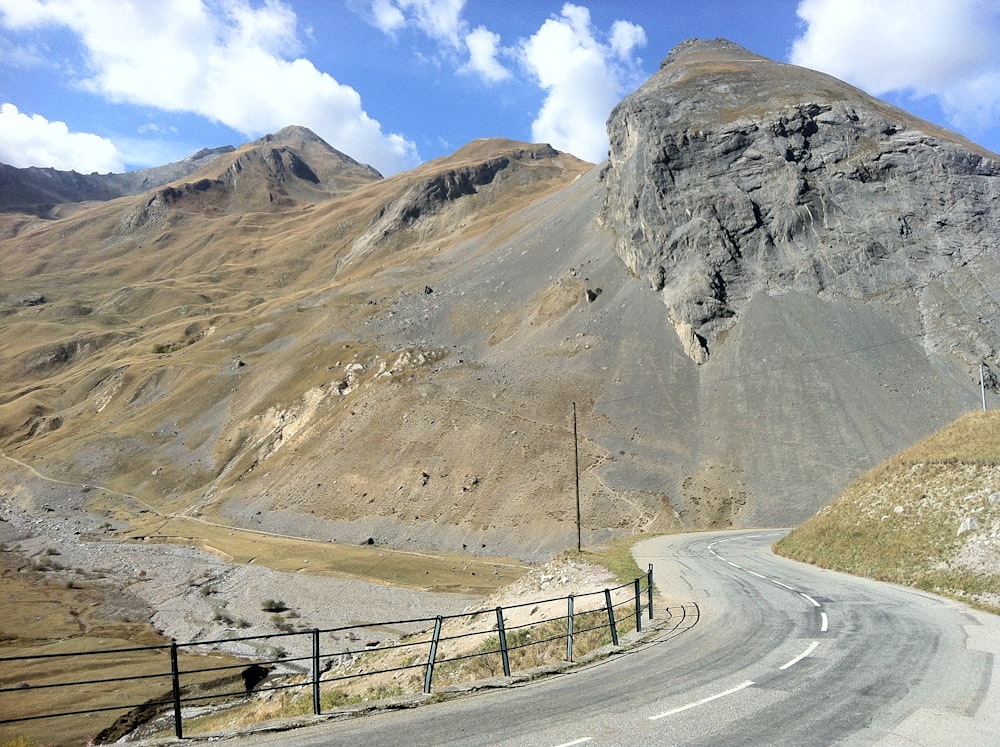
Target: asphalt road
781,654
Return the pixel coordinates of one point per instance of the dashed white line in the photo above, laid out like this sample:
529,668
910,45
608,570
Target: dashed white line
582,740
709,699
801,656
824,620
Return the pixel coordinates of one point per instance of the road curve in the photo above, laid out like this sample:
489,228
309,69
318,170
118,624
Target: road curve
782,654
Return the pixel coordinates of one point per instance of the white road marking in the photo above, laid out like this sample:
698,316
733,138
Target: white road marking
697,703
581,740
801,656
824,620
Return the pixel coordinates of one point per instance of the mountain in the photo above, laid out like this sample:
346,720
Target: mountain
775,282
36,190
731,175
286,153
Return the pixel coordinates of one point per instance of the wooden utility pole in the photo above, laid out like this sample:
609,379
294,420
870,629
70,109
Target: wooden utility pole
982,382
987,380
576,469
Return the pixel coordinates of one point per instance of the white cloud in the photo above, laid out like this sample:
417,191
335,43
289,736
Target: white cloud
946,49
442,22
484,47
386,16
34,141
582,77
626,37
226,61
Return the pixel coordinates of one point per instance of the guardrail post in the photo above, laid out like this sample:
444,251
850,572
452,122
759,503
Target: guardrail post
502,632
429,673
638,608
569,628
611,617
317,710
175,676
649,589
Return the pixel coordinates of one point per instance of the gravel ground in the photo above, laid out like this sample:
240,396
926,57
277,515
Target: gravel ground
191,595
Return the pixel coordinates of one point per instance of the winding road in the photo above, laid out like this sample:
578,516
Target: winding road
781,654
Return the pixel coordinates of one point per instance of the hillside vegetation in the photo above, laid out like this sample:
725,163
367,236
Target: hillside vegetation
929,517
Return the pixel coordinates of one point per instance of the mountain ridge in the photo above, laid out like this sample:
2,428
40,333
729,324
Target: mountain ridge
37,191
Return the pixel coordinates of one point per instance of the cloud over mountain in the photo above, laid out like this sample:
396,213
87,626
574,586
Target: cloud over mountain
582,70
583,79
945,49
232,63
384,79
35,141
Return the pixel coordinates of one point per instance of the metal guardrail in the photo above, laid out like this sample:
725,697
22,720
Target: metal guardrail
501,637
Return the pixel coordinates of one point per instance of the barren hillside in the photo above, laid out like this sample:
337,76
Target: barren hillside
753,302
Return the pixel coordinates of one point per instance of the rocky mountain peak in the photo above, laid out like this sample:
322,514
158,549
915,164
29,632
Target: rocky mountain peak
310,146
731,174
695,50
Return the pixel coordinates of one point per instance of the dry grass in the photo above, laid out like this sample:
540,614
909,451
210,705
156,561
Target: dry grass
900,521
616,556
44,617
440,572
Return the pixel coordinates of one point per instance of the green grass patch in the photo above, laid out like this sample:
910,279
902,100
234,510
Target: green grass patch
615,555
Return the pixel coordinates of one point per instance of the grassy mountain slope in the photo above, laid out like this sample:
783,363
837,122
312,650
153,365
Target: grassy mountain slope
928,517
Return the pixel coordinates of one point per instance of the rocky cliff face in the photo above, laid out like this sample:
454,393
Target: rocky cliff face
731,174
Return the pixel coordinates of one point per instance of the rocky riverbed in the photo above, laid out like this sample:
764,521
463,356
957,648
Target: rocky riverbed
192,595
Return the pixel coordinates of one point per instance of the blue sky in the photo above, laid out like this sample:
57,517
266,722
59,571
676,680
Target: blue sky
110,85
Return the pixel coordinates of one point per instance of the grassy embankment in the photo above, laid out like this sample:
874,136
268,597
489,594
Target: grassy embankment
900,521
